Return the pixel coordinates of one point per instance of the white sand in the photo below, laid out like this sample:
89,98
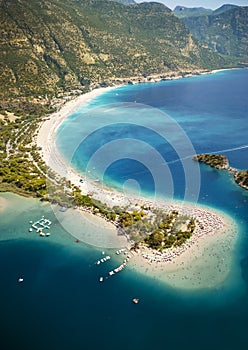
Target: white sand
205,263
47,135
3,204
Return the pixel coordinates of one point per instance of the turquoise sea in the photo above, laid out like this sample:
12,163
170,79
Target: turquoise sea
140,139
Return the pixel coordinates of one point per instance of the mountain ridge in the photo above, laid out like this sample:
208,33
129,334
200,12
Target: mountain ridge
53,46
224,8
225,31
183,11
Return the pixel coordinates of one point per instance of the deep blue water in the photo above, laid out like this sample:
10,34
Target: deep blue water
61,305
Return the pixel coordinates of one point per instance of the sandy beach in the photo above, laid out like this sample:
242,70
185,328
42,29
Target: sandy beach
47,134
206,264
203,262
3,204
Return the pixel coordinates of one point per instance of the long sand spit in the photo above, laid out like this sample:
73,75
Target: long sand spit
203,263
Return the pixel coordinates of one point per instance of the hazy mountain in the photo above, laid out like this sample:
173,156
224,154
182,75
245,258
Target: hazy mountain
225,8
182,11
224,31
126,1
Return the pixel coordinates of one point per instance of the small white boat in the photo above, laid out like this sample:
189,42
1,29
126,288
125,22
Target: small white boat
48,234
20,279
101,279
30,230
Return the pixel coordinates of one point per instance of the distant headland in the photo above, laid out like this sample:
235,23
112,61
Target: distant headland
220,161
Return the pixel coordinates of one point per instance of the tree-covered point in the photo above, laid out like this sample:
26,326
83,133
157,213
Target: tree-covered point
171,233
241,178
218,161
158,228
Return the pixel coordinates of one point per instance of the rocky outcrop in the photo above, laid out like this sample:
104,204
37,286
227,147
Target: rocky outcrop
241,178
219,161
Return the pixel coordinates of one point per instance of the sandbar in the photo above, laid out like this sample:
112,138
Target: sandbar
91,229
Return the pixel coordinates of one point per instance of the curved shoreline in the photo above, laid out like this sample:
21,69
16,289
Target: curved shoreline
226,226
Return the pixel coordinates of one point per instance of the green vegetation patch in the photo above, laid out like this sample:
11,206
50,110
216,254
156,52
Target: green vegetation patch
218,161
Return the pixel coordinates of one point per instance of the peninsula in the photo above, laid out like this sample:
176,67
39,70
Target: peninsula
53,65
220,161
159,231
217,161
161,235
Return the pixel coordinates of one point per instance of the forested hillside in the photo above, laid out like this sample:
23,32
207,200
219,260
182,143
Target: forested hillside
225,31
49,46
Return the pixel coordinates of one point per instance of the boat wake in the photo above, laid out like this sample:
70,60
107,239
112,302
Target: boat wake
191,156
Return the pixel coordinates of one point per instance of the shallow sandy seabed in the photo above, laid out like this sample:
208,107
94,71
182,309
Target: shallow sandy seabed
91,229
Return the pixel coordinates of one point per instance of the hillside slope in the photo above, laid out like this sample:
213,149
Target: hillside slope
183,11
53,45
225,32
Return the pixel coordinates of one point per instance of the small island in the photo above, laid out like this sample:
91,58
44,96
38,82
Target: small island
219,161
